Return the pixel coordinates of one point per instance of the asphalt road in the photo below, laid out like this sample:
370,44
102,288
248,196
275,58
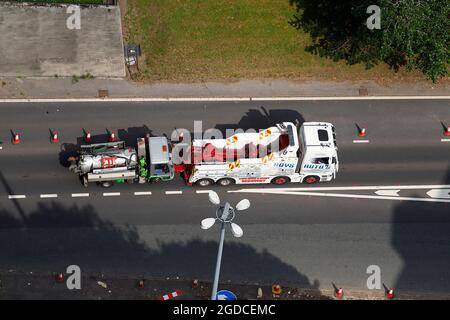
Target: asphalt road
298,239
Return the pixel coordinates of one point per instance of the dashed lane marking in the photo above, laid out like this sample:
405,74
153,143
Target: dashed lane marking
202,191
361,141
111,194
48,196
143,193
174,192
17,196
80,195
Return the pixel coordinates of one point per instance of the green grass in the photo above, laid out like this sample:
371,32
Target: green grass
199,40
59,1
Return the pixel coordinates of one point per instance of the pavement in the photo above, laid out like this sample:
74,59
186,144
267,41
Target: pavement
35,41
291,237
66,88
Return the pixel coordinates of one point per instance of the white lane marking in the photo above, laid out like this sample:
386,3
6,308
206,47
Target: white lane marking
17,196
143,193
111,194
174,192
54,195
202,191
354,196
439,193
80,195
445,140
186,99
1,148
391,193
361,141
407,187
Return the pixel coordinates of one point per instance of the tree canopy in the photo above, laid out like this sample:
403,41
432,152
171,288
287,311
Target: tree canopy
414,33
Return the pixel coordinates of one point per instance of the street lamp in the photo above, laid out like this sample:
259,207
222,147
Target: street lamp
225,214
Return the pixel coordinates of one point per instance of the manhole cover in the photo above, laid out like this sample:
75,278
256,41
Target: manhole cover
103,93
363,92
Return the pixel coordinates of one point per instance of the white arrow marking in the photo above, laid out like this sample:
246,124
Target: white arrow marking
439,193
391,193
341,195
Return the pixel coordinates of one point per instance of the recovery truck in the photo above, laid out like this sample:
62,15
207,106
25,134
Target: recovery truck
279,154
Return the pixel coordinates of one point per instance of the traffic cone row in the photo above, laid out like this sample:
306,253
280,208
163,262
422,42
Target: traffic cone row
54,138
112,137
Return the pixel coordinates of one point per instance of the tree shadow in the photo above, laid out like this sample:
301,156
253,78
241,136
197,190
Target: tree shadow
338,29
54,236
421,236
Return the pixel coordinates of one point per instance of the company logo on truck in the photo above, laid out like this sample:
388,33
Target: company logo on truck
317,166
283,165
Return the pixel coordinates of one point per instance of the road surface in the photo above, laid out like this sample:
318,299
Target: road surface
305,237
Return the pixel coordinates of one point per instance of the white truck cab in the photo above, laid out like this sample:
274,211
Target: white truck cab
318,152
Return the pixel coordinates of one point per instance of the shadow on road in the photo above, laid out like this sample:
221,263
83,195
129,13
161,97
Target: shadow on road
421,236
262,118
55,236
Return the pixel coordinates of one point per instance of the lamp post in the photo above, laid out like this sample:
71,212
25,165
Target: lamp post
224,214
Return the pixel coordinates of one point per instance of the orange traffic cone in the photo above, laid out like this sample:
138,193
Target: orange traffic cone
338,292
276,289
55,137
362,132
447,131
59,277
112,137
88,137
390,293
141,284
16,139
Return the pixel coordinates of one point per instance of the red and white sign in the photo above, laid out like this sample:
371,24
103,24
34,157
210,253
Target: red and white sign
108,162
171,295
254,180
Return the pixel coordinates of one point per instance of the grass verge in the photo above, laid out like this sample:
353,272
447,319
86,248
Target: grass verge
202,40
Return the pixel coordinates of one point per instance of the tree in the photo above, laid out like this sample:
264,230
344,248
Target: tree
414,33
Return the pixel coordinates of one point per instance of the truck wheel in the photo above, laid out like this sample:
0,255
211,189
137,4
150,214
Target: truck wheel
226,182
280,180
107,184
311,179
204,182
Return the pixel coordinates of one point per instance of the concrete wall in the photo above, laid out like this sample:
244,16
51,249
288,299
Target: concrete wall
35,41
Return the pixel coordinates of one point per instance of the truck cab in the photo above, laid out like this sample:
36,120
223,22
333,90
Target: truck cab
318,152
160,167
